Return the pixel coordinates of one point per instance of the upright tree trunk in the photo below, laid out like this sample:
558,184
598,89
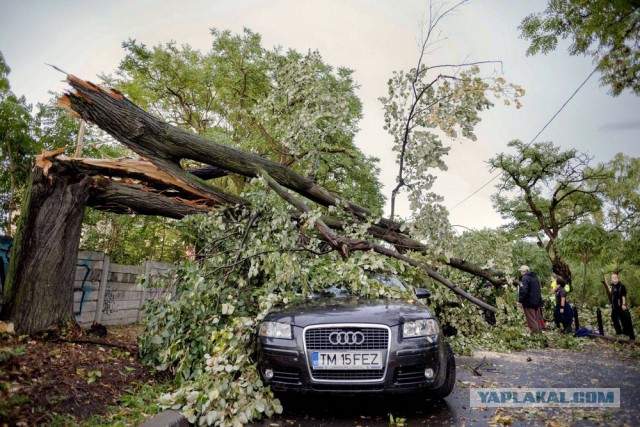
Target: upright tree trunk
562,268
12,191
584,281
39,288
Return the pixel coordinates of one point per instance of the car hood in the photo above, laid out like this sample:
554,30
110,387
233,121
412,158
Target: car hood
349,310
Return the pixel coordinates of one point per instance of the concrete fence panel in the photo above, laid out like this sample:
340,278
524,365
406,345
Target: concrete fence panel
112,294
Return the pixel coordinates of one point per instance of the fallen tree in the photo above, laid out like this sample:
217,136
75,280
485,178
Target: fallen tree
158,185
165,145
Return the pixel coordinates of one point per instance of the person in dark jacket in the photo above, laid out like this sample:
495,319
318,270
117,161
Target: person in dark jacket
530,297
563,313
620,308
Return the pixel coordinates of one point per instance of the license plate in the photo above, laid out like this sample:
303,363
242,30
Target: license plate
346,360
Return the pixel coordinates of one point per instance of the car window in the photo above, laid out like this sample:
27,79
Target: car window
335,291
391,281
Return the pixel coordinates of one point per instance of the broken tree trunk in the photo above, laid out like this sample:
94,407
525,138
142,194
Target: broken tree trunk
62,186
123,198
117,197
165,145
38,292
139,170
142,188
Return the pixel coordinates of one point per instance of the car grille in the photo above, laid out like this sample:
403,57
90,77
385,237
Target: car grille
348,375
374,339
348,388
286,377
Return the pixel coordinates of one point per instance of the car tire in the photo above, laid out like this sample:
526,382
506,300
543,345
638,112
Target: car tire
445,389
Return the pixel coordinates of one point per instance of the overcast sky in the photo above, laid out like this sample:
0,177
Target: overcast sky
372,37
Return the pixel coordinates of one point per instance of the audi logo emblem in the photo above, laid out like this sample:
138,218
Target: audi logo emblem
345,338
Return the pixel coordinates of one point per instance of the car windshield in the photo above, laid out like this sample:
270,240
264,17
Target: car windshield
335,291
342,291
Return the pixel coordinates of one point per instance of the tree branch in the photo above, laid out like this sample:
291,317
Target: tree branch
344,245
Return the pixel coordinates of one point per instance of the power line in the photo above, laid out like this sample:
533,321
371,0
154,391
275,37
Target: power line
534,138
563,105
474,193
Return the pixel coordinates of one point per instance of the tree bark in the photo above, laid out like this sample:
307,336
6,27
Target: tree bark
39,288
117,197
208,172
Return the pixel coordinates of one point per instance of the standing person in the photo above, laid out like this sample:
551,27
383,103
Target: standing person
554,288
554,284
620,309
563,313
551,301
530,296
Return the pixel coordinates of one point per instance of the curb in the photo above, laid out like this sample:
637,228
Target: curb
167,419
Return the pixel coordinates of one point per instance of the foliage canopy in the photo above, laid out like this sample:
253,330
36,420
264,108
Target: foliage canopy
289,107
544,189
16,147
607,30
430,102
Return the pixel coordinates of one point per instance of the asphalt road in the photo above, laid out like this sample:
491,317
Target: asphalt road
595,366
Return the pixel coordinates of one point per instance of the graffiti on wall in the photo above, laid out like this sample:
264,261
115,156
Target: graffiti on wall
111,298
86,265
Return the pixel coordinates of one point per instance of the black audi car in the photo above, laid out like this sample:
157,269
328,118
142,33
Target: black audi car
341,344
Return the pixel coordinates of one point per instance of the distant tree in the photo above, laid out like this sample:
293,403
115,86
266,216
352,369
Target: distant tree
607,30
425,104
16,148
54,129
621,195
132,239
583,242
631,249
526,252
544,190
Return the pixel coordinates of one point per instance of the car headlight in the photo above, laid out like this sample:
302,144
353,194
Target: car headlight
420,328
275,330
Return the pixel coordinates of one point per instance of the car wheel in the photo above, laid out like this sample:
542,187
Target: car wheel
445,389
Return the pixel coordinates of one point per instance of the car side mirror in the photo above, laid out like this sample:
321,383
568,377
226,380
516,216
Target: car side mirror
422,293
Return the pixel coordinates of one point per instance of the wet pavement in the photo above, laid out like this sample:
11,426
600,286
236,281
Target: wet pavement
597,365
